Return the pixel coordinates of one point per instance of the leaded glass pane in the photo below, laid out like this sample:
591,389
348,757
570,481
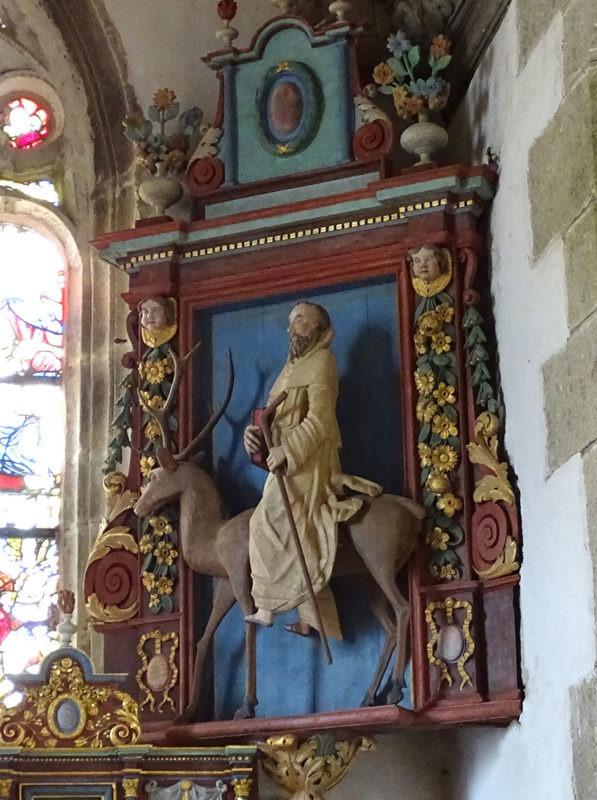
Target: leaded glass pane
25,122
31,304
28,576
31,455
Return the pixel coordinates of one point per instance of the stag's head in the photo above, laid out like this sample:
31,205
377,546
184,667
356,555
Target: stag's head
177,471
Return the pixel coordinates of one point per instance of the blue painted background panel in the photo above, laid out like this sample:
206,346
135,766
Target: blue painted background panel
292,675
331,144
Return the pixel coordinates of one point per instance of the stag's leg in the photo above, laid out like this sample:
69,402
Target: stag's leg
233,551
401,608
223,601
378,603
241,584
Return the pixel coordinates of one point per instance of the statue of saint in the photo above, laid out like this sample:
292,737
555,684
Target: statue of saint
157,317
306,442
431,269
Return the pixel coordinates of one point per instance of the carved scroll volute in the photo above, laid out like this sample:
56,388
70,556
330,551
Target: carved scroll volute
469,258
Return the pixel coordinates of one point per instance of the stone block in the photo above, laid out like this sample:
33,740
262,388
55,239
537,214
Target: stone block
569,382
580,243
583,725
580,37
563,164
533,19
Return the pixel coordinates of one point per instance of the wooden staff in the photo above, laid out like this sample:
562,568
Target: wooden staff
266,417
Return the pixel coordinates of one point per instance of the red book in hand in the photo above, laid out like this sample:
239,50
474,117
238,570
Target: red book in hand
259,458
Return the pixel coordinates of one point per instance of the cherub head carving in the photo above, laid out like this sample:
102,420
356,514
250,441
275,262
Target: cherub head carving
157,318
431,269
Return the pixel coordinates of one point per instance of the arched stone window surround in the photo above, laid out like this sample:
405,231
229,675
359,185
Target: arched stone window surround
49,222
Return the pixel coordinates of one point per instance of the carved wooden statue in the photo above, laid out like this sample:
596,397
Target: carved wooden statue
380,536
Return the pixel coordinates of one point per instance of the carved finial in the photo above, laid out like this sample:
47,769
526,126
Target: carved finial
341,9
227,12
66,629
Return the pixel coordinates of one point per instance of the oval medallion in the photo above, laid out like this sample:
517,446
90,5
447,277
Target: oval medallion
290,107
67,716
158,673
450,643
285,108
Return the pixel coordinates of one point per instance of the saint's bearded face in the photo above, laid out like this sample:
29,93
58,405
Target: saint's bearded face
303,329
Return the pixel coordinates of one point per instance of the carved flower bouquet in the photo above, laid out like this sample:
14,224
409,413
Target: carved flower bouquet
417,88
154,147
163,155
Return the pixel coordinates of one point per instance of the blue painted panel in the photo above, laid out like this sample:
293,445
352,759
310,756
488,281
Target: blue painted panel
331,144
293,677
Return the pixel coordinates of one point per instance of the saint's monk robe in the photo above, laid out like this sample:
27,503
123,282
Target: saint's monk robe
305,425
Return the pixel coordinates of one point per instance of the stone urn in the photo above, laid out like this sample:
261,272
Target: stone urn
423,139
160,191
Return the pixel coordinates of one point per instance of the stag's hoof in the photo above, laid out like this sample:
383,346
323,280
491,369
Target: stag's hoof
395,695
185,716
368,701
246,711
302,628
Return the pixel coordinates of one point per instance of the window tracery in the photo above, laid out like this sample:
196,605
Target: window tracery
26,122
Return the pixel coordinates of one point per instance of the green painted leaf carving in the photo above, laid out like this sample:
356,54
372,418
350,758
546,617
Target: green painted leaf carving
414,56
442,63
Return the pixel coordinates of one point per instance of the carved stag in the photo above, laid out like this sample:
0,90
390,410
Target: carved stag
379,542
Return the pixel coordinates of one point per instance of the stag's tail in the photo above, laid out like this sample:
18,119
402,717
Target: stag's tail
416,509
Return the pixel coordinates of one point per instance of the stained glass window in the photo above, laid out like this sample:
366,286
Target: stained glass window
25,122
31,443
39,190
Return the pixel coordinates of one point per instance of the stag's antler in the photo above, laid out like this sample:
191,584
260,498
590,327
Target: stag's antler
160,415
214,419
166,457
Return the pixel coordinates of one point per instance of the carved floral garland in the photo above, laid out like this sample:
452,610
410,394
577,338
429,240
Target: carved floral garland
438,444
159,540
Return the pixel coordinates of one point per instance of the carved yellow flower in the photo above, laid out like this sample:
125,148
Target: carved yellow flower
146,463
445,312
441,342
400,96
438,539
444,394
429,324
156,402
420,345
444,458
148,580
145,543
426,409
165,553
160,525
164,585
383,74
152,431
443,426
437,483
154,600
424,382
448,572
424,454
449,504
155,371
